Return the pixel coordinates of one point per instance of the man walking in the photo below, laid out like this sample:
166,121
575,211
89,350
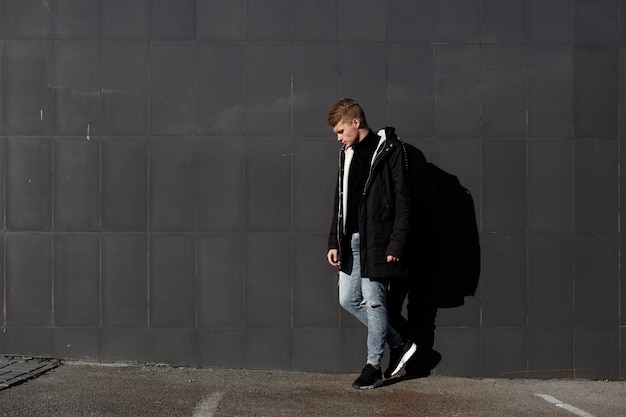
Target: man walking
369,233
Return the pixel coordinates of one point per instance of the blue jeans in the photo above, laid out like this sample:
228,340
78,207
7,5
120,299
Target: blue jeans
367,301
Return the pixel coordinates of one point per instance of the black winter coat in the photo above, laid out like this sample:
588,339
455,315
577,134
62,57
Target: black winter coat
384,214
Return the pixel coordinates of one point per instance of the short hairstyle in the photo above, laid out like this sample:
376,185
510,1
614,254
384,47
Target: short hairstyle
346,108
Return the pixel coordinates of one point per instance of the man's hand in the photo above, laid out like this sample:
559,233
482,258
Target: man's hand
391,258
333,257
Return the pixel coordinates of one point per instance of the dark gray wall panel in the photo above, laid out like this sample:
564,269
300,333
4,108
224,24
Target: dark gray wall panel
363,20
410,90
267,349
3,172
28,19
622,351
221,89
29,276
622,135
503,21
76,88
316,20
595,91
595,22
596,279
76,280
76,19
76,183
550,80
546,22
315,86
172,88
457,21
173,285
33,341
125,183
220,348
504,185
268,88
504,280
28,87
622,286
124,344
124,280
29,183
461,346
175,346
550,185
2,87
3,25
315,163
268,184
596,208
2,290
550,286
596,352
172,20
76,343
514,341
173,184
124,83
410,20
310,356
352,349
221,280
315,292
503,91
220,179
551,352
269,20
220,19
268,269
622,18
457,90
125,19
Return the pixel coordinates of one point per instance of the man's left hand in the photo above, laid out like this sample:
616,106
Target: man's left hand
391,258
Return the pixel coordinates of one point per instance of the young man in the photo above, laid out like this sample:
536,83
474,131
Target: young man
369,232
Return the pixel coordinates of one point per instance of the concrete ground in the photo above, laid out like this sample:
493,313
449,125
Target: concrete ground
79,389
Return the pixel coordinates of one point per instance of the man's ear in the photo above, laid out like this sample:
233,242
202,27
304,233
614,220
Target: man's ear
356,122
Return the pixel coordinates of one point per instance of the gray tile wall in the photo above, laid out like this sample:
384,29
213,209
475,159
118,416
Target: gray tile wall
166,176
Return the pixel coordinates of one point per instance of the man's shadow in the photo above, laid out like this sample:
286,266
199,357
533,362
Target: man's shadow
401,378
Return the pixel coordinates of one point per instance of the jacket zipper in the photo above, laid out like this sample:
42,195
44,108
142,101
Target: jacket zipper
379,150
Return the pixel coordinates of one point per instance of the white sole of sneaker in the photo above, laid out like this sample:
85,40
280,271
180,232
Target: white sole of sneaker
405,358
374,385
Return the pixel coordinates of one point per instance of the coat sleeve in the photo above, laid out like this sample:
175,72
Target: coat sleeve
402,221
333,239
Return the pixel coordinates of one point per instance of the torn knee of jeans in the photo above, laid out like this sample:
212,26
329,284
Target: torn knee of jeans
368,303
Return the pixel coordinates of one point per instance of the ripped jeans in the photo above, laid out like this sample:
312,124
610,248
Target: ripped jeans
367,301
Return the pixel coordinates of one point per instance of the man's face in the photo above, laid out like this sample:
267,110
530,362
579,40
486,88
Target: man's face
347,131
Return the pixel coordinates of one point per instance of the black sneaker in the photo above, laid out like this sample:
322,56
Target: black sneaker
398,357
421,364
370,378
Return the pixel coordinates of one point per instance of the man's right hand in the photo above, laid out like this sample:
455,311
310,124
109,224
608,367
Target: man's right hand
333,257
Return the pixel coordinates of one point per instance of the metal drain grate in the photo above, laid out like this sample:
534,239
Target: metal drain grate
14,371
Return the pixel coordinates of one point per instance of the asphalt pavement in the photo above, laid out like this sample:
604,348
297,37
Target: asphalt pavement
95,390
